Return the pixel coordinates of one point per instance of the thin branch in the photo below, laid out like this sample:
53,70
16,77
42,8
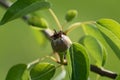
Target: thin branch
4,4
103,72
48,34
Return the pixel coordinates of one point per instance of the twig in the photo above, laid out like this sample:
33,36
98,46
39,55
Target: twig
4,4
48,33
103,72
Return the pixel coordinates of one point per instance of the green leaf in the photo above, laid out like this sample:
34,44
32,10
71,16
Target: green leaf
42,71
95,48
104,57
114,28
69,65
18,72
111,25
23,7
79,61
38,22
112,40
92,30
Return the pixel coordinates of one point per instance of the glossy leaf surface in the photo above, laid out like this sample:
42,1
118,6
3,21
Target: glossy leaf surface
18,72
93,31
79,62
94,48
112,40
42,71
22,7
111,25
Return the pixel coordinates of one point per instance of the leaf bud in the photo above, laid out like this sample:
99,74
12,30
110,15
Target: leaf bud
70,15
38,22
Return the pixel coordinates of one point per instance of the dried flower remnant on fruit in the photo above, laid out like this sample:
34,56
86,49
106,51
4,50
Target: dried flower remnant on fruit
60,42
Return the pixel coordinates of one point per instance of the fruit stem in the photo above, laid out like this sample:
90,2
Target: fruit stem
77,24
55,18
73,26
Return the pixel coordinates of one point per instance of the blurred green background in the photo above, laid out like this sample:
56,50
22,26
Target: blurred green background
21,44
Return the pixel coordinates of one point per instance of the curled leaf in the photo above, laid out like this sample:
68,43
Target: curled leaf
111,25
111,39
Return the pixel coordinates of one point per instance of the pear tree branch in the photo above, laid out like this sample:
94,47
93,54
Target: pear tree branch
48,33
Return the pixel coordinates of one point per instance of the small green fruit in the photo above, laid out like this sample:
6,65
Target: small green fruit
71,14
38,22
